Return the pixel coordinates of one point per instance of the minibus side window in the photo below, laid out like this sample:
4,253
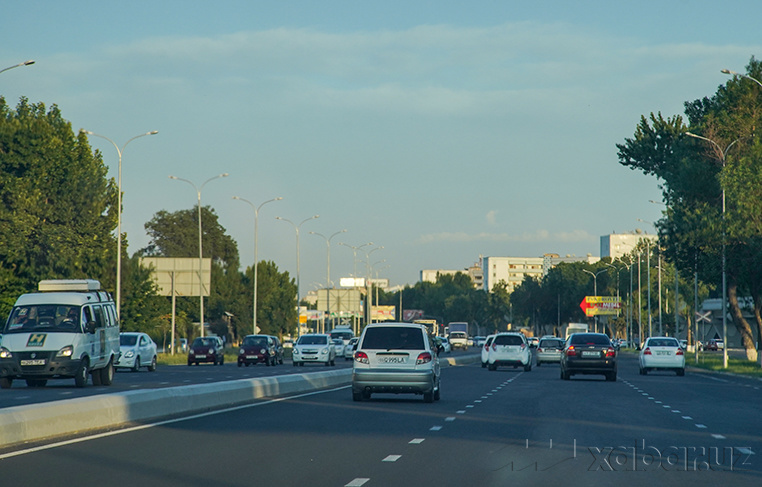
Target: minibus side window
100,321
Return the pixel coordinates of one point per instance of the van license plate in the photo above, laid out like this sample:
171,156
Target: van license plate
39,361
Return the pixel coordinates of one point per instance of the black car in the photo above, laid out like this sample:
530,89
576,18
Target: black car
589,353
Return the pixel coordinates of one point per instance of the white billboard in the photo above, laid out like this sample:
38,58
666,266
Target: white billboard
180,274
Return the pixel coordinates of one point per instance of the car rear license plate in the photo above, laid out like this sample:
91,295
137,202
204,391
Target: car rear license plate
663,353
591,354
393,360
33,362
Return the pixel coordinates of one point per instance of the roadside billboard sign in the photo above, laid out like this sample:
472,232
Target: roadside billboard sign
601,305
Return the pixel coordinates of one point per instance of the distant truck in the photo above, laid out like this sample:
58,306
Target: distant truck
576,328
458,334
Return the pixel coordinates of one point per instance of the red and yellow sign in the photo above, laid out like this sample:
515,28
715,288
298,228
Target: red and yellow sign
601,305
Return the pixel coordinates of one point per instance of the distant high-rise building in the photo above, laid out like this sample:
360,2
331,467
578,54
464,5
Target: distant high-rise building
617,245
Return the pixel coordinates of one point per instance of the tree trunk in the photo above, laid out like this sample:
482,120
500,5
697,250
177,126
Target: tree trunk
747,339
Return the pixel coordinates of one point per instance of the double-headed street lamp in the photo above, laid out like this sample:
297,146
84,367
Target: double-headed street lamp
256,258
25,63
298,288
119,213
200,253
328,268
722,155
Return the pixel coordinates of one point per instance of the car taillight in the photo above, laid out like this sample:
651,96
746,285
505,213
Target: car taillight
539,349
679,351
361,357
647,351
494,347
523,346
610,352
486,347
423,358
571,352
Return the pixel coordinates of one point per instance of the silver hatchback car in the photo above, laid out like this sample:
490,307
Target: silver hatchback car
549,351
397,358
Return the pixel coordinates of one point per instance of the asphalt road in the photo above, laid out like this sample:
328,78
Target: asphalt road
506,427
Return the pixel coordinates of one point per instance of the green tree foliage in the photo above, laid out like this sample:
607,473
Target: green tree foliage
453,298
176,235
276,300
142,308
229,308
693,174
57,208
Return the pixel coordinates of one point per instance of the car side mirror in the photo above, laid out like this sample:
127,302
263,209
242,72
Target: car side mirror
90,327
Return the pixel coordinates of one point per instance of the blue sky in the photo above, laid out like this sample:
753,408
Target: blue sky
439,130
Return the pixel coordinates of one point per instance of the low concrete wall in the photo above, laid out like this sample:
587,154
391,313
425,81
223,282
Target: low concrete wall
71,416
35,422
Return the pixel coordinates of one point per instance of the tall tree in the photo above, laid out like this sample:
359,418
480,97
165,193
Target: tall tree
696,176
57,207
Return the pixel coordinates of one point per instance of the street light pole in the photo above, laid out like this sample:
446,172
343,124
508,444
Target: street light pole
595,289
723,158
200,253
25,63
256,258
298,286
328,268
354,275
119,214
369,287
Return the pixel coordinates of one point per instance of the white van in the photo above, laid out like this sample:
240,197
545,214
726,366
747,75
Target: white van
67,330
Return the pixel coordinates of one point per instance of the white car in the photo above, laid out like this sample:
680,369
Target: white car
349,349
662,353
314,347
446,347
485,349
138,350
509,349
338,344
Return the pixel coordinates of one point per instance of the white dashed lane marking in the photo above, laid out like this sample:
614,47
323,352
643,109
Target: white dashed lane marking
358,482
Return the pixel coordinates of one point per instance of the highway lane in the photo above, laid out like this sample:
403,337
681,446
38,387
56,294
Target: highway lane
491,428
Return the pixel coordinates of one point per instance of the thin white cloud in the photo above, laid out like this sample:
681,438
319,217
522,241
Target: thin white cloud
538,236
492,217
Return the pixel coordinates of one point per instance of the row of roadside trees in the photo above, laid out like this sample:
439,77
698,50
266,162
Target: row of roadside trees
58,216
708,165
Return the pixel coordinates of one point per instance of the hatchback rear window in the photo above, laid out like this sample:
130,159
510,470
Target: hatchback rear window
393,338
590,339
551,344
508,340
